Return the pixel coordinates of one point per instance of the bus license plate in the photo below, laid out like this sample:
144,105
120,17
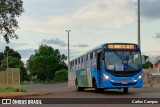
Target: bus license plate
124,82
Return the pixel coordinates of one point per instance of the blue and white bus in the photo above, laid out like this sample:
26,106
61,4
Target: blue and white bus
108,66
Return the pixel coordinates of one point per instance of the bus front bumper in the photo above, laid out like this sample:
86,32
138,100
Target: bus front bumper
122,84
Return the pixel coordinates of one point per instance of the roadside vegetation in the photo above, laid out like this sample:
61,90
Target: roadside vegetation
14,61
145,65
9,10
47,65
11,89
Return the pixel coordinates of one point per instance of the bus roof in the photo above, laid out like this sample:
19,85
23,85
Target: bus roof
100,46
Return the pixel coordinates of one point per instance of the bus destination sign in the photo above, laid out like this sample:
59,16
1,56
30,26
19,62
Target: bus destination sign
121,46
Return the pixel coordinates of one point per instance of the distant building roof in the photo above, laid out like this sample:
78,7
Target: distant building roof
153,60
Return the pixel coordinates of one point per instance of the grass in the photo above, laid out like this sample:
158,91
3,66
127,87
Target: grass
11,89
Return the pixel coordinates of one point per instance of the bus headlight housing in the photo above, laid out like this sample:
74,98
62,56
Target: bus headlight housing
106,76
139,77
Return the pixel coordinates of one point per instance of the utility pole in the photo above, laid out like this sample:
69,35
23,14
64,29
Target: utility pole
7,68
7,59
68,59
139,38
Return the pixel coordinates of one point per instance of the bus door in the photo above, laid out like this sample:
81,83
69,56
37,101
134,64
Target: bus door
99,66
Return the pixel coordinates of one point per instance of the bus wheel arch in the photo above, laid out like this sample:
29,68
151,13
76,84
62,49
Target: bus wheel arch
77,86
94,82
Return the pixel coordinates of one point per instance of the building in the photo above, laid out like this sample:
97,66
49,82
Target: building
154,62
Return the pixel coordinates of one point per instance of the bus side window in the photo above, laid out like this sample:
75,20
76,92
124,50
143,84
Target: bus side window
72,63
80,63
70,66
94,59
84,61
88,58
91,55
76,64
91,62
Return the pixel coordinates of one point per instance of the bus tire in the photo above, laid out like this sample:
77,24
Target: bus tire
79,88
125,90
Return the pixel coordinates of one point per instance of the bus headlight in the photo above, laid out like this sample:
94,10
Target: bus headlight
134,80
106,76
140,77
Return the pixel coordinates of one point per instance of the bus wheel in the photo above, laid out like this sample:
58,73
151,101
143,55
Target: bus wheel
125,90
79,88
97,90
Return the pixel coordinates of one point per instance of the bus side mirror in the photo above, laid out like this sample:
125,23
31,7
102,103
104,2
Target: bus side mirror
103,56
99,67
99,60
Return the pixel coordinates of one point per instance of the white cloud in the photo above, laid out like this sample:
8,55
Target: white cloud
95,18
60,21
56,41
103,14
106,13
152,53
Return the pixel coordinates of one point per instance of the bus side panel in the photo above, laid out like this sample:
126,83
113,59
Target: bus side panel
96,75
89,77
82,77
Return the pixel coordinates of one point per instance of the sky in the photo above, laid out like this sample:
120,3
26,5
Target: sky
92,23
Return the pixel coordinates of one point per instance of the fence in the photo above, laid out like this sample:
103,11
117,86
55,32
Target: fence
10,78
149,78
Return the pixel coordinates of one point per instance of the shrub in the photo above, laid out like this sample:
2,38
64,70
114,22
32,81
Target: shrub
145,66
61,75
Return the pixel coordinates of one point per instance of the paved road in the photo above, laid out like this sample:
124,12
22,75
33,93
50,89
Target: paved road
62,91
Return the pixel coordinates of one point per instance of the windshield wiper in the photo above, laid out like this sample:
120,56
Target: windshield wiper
119,56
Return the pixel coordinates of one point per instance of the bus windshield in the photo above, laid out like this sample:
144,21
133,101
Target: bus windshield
123,60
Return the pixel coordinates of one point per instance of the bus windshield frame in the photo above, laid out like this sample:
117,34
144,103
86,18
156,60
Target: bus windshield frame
123,60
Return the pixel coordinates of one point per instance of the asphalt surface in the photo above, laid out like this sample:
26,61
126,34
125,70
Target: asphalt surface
64,92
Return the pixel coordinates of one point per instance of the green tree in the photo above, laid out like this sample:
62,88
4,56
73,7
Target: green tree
1,57
14,61
9,10
145,57
45,62
145,66
11,52
61,75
